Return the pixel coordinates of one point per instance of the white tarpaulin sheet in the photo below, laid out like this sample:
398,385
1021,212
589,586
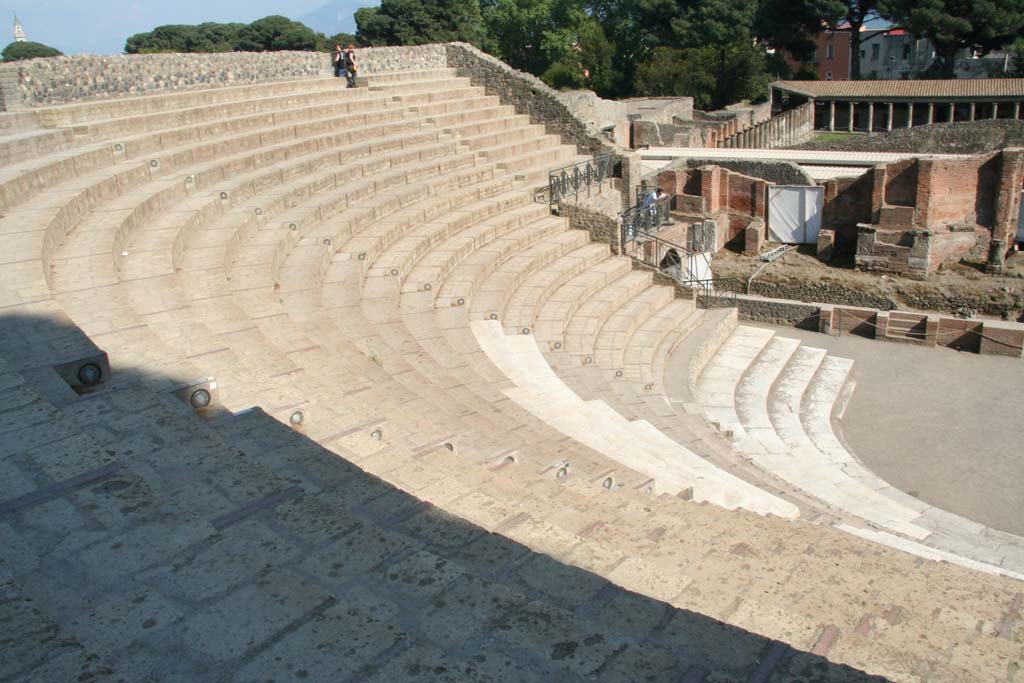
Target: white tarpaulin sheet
699,266
794,213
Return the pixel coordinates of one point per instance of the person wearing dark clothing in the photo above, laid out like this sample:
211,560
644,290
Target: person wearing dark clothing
338,59
350,65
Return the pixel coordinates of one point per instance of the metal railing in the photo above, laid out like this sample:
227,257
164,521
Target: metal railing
690,267
647,218
718,292
572,180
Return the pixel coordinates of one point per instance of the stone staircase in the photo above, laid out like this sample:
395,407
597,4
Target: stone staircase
445,441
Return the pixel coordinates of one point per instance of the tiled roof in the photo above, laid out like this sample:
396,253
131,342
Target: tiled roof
980,87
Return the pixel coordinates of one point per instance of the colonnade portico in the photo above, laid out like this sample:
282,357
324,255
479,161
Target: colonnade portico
873,106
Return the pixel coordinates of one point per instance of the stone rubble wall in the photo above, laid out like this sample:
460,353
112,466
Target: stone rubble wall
373,60
81,78
671,110
598,215
530,95
777,172
963,137
562,114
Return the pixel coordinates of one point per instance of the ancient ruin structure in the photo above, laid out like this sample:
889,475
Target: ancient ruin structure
300,382
872,105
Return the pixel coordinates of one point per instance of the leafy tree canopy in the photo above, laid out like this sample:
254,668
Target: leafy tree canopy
28,50
263,35
275,33
209,37
417,22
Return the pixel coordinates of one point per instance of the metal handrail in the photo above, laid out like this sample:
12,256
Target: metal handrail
718,292
571,180
646,218
685,266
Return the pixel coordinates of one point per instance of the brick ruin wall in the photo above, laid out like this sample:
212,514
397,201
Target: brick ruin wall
907,217
926,212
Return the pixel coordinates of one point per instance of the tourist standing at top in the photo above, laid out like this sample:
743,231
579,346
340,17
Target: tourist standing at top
350,65
338,59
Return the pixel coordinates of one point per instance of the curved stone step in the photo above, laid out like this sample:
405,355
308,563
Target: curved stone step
638,445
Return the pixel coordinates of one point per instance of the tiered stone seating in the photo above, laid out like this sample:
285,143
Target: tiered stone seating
362,266
776,397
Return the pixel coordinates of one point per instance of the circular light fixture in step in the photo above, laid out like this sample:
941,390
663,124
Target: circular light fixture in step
297,418
200,398
89,374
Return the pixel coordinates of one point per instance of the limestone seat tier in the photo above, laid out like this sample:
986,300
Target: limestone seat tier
447,439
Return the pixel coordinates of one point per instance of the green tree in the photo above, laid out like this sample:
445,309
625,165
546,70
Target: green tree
712,77
208,37
952,25
343,39
557,40
416,22
587,63
1016,69
717,39
858,13
28,50
674,72
792,25
275,33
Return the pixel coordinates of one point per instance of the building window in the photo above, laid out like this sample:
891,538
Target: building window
828,75
862,54
906,52
830,51
875,51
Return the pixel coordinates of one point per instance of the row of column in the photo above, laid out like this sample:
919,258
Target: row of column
948,109
778,131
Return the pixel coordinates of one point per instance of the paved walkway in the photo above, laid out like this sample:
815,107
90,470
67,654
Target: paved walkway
936,423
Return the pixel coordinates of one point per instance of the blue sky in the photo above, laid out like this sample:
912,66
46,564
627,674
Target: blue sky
101,26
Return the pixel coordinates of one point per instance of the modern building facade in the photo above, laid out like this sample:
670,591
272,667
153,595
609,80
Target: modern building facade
888,54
